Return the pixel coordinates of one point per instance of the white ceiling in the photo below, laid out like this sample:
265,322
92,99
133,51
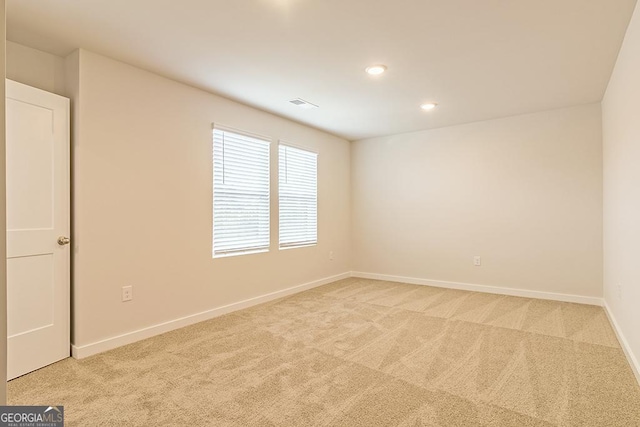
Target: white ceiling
478,59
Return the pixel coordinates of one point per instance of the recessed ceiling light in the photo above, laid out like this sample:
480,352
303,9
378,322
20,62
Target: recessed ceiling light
429,106
375,70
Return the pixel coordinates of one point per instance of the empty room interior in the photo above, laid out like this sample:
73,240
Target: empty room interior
322,213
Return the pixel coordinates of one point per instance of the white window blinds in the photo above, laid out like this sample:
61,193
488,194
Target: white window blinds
240,193
298,197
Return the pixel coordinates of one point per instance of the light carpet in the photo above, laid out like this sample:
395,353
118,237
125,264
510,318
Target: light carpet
358,353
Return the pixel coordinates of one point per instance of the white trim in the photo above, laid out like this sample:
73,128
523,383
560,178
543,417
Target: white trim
299,147
80,352
633,361
307,245
241,252
263,138
483,288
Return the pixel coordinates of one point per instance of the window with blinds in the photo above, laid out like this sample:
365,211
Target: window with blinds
240,193
298,197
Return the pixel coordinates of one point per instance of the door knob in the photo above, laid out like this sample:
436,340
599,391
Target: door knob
63,240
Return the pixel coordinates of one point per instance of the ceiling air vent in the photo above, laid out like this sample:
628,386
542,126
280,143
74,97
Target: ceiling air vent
303,104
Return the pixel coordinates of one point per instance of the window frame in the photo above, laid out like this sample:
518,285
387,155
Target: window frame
283,143
268,141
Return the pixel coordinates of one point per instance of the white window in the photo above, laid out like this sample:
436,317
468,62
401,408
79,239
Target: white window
298,194
240,193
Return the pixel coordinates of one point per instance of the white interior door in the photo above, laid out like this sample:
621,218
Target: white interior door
38,270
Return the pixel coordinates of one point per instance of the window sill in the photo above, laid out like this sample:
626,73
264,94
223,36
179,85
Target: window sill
297,246
232,254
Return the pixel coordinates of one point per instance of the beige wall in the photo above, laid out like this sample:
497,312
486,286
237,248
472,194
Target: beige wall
621,131
524,193
3,221
35,68
143,198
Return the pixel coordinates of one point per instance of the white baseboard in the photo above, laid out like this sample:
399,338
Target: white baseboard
633,361
483,288
82,351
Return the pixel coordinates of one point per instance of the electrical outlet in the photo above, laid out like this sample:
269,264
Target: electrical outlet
127,293
330,255
477,261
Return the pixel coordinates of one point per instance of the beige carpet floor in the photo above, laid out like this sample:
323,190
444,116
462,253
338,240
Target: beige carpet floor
359,353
